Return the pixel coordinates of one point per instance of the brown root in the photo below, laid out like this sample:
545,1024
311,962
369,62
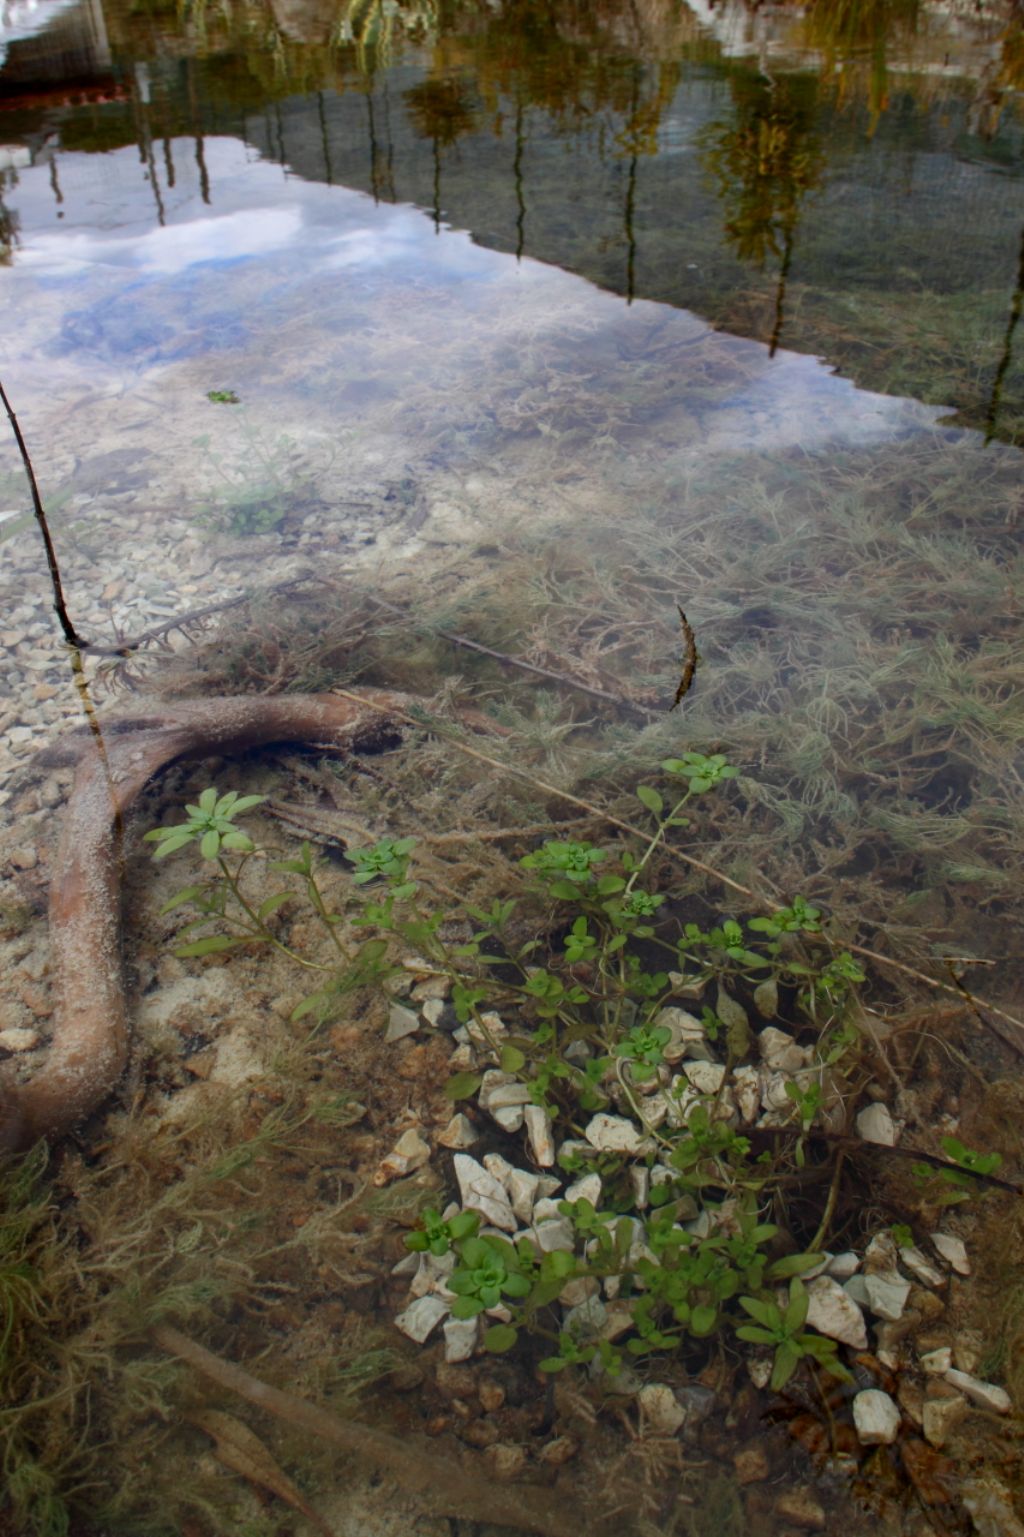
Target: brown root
91,1031
442,1484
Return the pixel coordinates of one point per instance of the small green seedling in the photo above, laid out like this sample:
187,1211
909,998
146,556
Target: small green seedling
223,397
210,823
785,1330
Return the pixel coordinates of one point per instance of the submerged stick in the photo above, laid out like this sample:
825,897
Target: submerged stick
91,1032
443,1485
691,657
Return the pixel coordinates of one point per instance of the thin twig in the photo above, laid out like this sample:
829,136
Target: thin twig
515,661
71,635
830,1206
1008,1037
846,1144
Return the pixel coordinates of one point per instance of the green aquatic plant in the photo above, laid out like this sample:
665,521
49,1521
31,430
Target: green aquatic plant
783,1328
588,997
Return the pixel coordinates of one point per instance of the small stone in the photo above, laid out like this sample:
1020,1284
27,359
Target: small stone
433,990
460,1132
831,1311
760,1371
491,1395
618,1320
661,1412
578,1291
875,1124
842,1266
911,1399
481,1192
421,1318
432,1275
456,1381
614,1134
419,966
538,1134
967,1350
18,1039
499,1167
953,1251
937,1362
705,1077
697,1401
883,1297
586,1189
991,1509
747,1093
684,1032
409,1153
558,1452
941,1416
499,1090
802,1508
487,1029
926,1304
587,1320
432,1011
480,1433
780,1052
985,1394
876,1417
640,1179
509,1117
773,1092
23,858
752,1466
921,1268
522,1189
505,1460
401,1022
554,1233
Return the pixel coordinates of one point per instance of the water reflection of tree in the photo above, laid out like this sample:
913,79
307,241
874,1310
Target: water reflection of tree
855,37
765,162
8,222
441,111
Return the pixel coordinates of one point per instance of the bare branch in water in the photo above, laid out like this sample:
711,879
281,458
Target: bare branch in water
71,635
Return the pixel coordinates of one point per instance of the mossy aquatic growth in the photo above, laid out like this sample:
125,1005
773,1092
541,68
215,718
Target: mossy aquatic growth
183,1222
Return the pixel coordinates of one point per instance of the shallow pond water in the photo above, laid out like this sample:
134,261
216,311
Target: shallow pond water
539,327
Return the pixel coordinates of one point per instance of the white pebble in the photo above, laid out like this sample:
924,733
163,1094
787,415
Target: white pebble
876,1417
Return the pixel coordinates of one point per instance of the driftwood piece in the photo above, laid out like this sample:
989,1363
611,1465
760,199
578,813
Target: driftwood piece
91,1032
437,1481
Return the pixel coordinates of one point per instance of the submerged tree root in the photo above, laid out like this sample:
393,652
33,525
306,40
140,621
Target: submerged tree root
112,765
444,1487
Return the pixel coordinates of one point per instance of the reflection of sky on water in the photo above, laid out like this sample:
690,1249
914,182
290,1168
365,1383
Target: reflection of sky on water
102,288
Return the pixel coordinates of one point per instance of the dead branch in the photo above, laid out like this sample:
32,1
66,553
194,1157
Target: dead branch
441,1483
